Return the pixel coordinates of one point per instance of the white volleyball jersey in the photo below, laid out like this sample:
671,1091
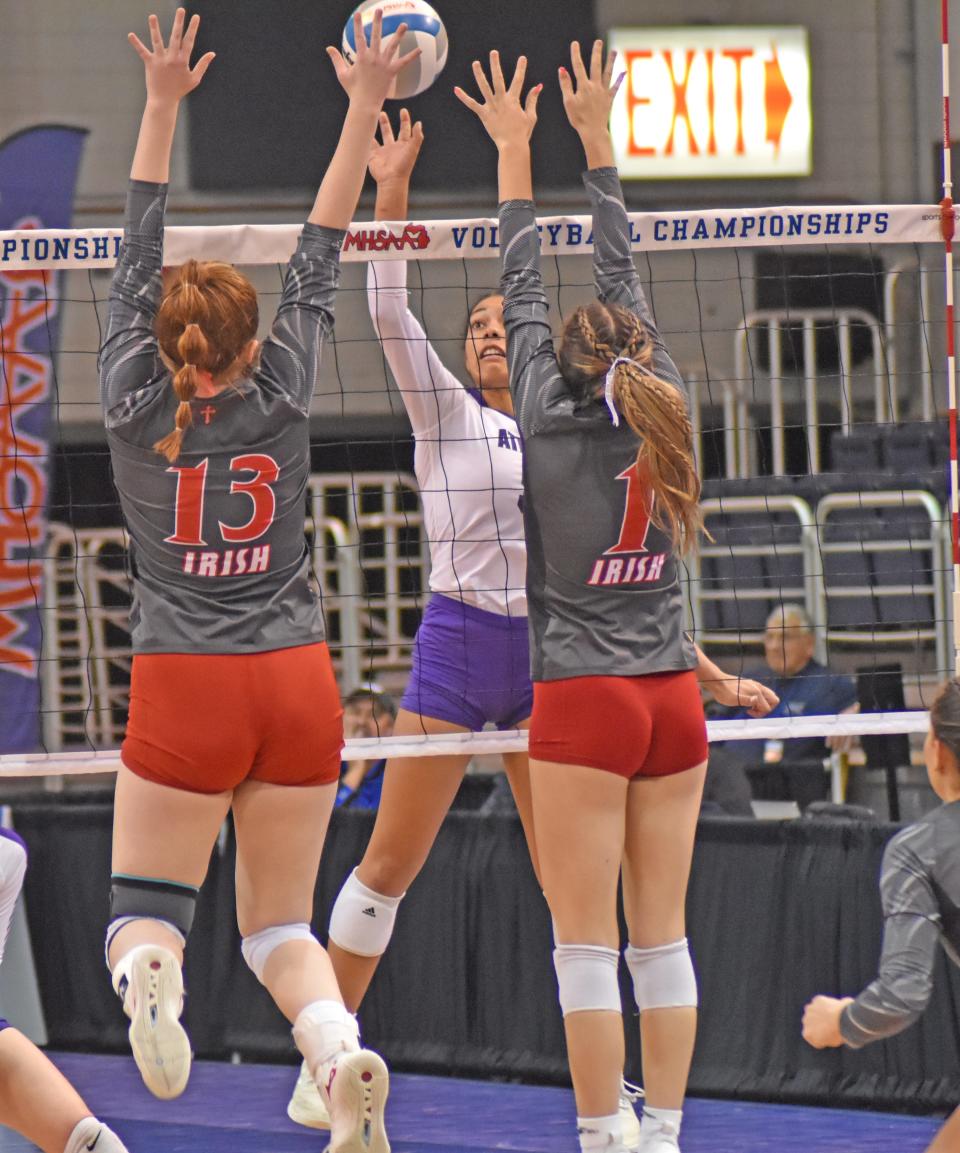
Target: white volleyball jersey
468,460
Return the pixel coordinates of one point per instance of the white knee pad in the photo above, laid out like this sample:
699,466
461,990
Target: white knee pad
258,947
362,920
587,978
13,867
663,977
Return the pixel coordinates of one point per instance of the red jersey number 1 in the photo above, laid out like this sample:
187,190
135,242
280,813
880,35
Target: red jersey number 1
191,483
636,513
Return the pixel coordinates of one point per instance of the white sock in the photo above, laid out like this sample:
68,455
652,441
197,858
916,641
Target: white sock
599,1132
91,1134
652,1119
322,1031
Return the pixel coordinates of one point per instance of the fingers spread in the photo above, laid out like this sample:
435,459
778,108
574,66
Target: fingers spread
190,36
496,72
200,68
138,46
401,62
478,74
519,74
576,61
472,104
596,60
393,41
155,38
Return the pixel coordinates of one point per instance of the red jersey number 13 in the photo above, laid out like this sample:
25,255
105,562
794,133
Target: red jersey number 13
191,486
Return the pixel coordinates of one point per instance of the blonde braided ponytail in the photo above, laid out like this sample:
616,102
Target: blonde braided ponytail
593,338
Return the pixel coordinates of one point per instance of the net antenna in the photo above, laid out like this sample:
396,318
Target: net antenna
947,226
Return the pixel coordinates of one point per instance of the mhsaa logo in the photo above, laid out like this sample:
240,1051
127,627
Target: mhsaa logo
414,236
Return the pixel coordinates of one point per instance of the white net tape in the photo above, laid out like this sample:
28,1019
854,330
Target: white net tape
491,743
445,239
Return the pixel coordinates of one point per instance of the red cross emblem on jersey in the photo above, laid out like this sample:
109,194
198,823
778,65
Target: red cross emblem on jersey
208,412
636,513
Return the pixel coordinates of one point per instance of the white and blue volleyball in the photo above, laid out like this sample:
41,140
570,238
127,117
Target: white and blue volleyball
425,31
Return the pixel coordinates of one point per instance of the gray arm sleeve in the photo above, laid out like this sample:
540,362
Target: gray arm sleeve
290,357
911,933
129,360
614,272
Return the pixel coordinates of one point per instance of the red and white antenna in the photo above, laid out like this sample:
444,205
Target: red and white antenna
947,229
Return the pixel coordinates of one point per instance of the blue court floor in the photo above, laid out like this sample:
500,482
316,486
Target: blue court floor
241,1109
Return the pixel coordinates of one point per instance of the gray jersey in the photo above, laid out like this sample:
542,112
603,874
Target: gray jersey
602,583
217,547
920,891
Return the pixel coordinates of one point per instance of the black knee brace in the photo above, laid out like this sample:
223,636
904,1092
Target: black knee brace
132,898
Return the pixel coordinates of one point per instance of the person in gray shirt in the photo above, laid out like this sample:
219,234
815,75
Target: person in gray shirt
618,738
920,892
234,704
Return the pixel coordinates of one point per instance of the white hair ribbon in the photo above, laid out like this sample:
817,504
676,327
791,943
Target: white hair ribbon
608,388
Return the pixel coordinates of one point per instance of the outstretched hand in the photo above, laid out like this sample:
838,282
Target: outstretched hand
376,63
167,66
507,120
392,157
588,104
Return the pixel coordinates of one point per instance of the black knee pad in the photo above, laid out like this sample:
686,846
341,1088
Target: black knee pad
135,897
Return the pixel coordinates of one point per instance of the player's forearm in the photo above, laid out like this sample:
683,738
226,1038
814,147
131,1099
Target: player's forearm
393,198
339,191
597,147
514,171
151,160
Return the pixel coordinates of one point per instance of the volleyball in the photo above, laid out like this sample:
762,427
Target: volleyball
425,30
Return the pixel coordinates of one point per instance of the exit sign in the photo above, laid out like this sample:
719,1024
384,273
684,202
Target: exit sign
712,102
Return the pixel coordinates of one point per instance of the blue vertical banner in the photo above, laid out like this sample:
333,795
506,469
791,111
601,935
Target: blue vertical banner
38,176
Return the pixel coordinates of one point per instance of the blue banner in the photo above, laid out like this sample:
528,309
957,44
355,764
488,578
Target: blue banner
38,175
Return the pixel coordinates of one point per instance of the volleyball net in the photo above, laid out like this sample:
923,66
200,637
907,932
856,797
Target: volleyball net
813,345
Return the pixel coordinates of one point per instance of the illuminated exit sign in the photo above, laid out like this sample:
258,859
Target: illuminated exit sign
712,102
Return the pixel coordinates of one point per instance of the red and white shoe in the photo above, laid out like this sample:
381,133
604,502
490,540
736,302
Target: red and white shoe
355,1092
150,983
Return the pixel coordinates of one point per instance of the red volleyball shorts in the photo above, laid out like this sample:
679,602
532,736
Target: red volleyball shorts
650,726
206,723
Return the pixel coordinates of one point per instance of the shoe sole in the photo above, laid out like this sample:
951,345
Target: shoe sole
359,1094
160,1045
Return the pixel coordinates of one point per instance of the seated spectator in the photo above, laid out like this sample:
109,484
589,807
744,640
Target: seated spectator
367,712
793,769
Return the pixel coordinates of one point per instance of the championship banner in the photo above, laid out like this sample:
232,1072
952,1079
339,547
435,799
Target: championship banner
442,239
38,174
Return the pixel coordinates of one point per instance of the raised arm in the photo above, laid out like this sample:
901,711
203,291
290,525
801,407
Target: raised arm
128,357
417,369
290,358
587,103
367,83
510,123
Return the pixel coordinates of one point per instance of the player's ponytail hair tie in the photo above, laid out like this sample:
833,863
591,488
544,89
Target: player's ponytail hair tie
609,381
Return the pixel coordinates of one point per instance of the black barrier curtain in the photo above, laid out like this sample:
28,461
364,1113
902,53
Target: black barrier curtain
777,912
